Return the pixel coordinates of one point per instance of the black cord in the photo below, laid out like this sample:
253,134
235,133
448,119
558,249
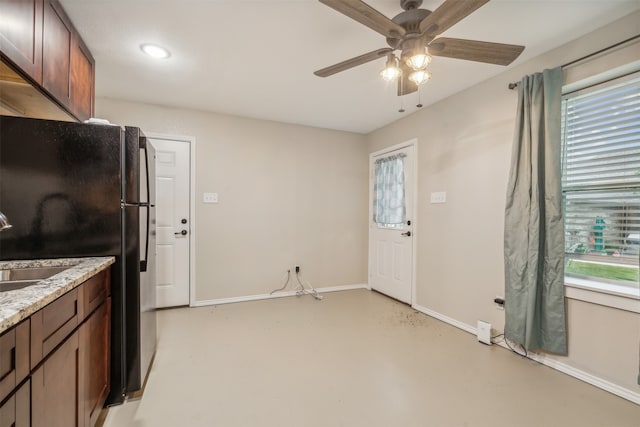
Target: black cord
524,354
504,340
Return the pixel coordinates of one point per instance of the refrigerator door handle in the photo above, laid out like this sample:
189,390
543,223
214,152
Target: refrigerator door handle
146,205
143,262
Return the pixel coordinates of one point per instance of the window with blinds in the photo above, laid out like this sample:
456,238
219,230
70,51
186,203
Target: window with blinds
601,182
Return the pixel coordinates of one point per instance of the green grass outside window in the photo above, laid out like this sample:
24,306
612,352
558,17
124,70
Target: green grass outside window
605,271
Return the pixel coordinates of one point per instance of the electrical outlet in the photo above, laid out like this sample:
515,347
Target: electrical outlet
297,269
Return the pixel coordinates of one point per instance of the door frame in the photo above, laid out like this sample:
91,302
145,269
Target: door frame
414,217
191,140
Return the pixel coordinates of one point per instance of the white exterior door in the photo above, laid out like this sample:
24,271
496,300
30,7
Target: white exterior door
173,221
391,245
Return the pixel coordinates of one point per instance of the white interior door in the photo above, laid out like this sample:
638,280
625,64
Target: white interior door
173,224
391,245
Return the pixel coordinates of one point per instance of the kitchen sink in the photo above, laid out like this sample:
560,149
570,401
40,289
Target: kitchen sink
12,285
29,273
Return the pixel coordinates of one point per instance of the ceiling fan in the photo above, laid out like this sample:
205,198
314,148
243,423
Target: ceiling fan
414,33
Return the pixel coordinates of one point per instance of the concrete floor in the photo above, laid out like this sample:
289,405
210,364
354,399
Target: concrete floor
354,359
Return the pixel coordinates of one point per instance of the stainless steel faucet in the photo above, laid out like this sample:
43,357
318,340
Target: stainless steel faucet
4,222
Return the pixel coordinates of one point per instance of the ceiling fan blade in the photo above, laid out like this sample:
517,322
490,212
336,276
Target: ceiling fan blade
366,15
405,86
353,62
474,50
448,14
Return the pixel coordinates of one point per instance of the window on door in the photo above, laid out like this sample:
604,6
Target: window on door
389,209
601,183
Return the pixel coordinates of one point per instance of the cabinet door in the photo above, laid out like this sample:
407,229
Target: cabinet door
56,386
56,52
94,357
82,79
21,35
15,411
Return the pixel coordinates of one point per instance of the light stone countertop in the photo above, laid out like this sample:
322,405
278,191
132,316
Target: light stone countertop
19,304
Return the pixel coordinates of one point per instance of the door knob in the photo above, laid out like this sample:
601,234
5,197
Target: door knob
408,234
183,232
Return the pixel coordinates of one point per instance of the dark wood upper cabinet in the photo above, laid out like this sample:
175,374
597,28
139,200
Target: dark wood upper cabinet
21,35
56,52
82,79
39,40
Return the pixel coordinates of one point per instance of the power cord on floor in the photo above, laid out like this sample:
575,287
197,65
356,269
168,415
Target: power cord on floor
285,284
524,353
302,291
506,341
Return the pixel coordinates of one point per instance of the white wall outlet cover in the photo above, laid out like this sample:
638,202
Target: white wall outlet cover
484,332
439,197
210,198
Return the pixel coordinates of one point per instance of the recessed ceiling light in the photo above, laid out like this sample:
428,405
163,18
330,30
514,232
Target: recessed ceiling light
155,51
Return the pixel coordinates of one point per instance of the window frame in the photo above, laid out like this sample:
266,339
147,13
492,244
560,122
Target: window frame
602,292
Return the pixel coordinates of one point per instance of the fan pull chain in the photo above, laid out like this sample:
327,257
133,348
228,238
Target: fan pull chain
401,110
419,105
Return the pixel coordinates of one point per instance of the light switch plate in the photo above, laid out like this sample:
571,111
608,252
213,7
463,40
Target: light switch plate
439,197
210,198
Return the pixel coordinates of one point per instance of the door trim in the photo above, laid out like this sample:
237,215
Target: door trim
414,217
191,140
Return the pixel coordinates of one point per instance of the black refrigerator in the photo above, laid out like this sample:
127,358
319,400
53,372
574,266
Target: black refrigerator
77,190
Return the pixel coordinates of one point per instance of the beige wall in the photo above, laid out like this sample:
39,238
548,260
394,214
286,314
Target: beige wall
464,149
288,195
291,194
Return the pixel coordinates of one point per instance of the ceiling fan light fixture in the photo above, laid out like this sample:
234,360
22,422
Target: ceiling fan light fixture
420,76
391,70
415,54
419,60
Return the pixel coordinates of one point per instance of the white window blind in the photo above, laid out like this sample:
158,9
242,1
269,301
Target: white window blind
601,181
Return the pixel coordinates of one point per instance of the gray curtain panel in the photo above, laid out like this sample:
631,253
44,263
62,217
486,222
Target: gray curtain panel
534,228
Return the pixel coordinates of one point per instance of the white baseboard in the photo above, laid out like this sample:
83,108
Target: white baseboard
446,319
246,298
601,383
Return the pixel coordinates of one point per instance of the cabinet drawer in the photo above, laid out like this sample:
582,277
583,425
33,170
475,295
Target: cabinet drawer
95,291
51,325
14,357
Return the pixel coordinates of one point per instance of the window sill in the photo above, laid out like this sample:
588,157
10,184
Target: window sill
616,296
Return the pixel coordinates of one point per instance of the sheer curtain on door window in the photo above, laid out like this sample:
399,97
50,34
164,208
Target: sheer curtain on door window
388,193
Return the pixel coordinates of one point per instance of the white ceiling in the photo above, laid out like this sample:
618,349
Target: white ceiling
255,58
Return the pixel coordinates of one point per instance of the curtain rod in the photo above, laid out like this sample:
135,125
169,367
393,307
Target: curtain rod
568,64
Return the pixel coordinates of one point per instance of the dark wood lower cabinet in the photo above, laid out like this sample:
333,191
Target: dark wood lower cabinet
94,353
16,411
69,379
55,387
